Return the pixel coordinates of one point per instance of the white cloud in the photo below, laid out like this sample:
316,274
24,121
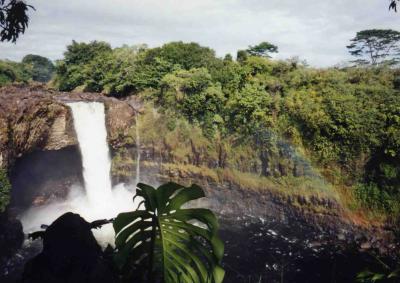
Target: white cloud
315,30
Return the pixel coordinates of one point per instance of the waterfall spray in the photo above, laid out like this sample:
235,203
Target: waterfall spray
98,200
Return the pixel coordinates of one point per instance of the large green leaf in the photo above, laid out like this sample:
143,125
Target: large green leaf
176,244
369,276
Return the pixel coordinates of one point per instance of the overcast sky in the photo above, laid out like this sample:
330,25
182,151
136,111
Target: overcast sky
315,30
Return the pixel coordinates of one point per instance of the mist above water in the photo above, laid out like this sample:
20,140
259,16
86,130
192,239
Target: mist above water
97,200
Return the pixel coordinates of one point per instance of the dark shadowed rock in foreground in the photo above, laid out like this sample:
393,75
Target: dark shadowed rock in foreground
70,254
11,236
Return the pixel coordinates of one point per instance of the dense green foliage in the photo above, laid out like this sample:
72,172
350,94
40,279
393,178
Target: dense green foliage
11,72
31,68
5,188
386,275
97,67
259,116
42,69
164,240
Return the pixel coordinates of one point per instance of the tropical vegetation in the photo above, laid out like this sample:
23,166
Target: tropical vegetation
166,242
254,115
258,115
32,68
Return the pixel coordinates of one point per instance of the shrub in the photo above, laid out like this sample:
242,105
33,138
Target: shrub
5,188
372,197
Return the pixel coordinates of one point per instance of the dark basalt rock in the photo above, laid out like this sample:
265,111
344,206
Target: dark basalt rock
11,236
70,254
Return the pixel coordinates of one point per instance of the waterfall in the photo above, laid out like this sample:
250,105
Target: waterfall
138,150
90,127
98,200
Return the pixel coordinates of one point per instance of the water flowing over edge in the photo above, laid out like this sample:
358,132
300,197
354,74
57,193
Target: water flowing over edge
98,199
90,128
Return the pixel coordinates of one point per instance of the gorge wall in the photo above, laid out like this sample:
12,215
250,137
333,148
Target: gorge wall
36,127
33,118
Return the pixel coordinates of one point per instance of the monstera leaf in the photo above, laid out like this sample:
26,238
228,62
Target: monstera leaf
174,244
368,276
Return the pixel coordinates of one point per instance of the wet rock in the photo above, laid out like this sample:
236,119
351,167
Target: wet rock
41,177
365,246
70,254
120,115
11,236
314,200
35,118
302,200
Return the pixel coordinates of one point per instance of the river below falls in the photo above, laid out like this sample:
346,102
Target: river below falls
256,251
264,251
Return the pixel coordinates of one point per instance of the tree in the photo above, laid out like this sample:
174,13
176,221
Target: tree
13,19
186,55
74,70
263,49
228,57
241,56
82,53
11,72
193,94
393,5
42,68
375,46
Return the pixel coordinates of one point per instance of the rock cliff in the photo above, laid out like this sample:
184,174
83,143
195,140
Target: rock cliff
34,118
37,119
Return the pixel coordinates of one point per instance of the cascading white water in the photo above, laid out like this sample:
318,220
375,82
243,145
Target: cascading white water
99,200
90,127
137,150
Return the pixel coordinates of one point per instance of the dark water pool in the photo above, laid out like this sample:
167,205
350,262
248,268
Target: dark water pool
256,251
260,251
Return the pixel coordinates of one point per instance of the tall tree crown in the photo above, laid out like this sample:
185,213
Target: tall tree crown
375,46
263,49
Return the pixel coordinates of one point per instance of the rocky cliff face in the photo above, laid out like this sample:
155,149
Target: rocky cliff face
33,118
232,202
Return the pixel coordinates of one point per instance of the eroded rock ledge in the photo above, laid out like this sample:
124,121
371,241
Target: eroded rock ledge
35,118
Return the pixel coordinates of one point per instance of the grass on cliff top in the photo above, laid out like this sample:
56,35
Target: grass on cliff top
287,186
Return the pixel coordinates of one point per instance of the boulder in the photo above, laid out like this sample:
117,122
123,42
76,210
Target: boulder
11,237
70,254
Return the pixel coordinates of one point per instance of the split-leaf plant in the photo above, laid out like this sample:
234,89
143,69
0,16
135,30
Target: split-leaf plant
165,242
